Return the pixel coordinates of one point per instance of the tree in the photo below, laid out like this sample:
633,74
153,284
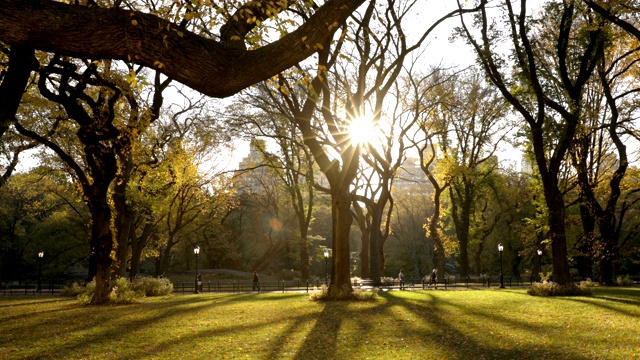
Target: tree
41,211
477,120
430,139
600,154
547,90
216,66
92,95
291,161
408,247
15,71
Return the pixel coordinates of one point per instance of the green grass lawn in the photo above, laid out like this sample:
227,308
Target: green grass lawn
472,324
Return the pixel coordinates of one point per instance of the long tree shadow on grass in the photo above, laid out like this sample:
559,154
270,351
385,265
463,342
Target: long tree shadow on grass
429,323
449,334
114,323
613,299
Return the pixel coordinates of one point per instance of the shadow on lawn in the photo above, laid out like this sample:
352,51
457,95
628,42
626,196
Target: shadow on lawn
612,298
441,333
20,301
429,320
112,324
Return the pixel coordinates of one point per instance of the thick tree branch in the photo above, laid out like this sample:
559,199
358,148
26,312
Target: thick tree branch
203,64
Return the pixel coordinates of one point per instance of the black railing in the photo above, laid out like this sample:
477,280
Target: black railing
29,288
233,286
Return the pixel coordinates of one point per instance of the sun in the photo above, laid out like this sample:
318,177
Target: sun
361,131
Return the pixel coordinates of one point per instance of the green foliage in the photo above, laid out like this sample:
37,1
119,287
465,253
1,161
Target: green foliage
122,290
545,276
624,281
323,294
73,290
550,288
86,296
149,286
588,283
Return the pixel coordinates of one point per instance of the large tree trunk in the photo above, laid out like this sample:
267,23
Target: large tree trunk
584,261
304,256
101,246
137,245
21,62
123,218
555,204
364,255
461,213
342,220
375,244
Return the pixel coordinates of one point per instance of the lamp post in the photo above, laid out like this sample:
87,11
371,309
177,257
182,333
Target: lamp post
500,248
196,250
326,267
539,263
40,256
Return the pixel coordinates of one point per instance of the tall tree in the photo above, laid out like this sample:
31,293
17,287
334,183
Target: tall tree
600,154
91,95
547,90
16,65
291,161
479,127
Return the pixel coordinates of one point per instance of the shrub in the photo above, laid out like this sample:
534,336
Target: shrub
74,290
545,276
122,292
624,280
149,286
86,296
550,288
322,294
588,283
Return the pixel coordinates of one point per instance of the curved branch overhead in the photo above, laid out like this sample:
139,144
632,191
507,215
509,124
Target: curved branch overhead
205,65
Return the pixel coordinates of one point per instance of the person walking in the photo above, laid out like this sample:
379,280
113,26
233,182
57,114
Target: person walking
401,279
256,282
433,281
199,282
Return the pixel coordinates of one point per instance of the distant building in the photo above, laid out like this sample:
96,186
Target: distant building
410,178
250,173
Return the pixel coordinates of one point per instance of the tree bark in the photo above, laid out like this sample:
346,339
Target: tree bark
21,62
340,258
101,246
213,68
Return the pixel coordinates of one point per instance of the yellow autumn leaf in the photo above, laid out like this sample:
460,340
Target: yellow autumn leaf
319,46
134,22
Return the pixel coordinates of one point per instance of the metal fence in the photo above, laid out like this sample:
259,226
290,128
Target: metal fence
29,288
233,286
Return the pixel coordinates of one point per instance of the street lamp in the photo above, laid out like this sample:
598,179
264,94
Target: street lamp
40,256
500,248
196,250
326,267
539,263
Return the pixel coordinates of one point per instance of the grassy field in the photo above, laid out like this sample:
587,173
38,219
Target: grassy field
471,324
